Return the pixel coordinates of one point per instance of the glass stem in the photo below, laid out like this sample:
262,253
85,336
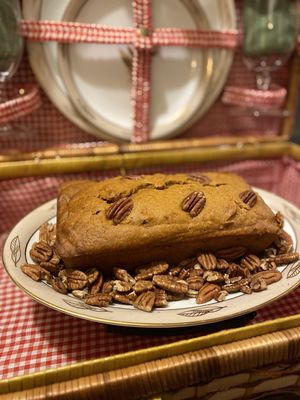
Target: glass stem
263,80
3,92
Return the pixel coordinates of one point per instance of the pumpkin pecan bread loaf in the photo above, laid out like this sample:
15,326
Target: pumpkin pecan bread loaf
129,221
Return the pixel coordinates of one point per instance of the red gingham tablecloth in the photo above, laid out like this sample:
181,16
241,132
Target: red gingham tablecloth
34,338
49,128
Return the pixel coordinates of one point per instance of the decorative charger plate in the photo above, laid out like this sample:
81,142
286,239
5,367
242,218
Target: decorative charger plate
177,313
91,83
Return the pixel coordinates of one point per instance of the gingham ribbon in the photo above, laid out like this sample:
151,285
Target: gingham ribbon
242,96
22,105
76,32
143,37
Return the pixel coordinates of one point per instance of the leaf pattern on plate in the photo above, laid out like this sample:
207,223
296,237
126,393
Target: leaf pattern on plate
15,248
82,306
294,270
198,312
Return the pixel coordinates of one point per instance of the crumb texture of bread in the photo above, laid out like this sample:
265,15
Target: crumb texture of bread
128,221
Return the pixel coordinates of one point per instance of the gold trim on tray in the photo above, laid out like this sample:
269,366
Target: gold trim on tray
126,157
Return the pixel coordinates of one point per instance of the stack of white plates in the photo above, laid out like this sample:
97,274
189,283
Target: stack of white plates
91,83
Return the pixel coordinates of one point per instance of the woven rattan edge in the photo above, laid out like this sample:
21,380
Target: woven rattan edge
123,162
162,352
291,100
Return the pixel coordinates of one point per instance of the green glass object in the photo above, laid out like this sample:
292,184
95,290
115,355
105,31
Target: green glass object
270,27
10,41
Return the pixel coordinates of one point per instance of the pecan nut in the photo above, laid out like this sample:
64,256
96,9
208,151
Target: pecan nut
167,283
284,258
183,274
213,276
96,286
250,262
142,286
35,272
195,282
92,275
73,278
106,288
41,251
221,295
222,265
194,203
196,272
150,271
121,286
160,298
267,264
235,287
269,276
174,271
119,210
249,197
80,294
145,301
235,270
47,233
207,260
98,299
122,298
246,289
54,269
258,284
58,285
123,275
207,293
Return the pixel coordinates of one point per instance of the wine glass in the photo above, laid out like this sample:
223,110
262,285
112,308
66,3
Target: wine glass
11,50
270,32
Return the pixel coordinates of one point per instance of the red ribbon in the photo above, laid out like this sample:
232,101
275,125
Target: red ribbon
22,105
242,96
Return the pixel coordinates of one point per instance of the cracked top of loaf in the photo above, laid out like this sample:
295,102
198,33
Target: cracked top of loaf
128,221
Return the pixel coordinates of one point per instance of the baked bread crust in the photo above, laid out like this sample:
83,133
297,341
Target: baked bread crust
131,221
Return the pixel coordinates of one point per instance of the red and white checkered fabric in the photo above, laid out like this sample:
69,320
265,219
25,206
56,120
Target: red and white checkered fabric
34,338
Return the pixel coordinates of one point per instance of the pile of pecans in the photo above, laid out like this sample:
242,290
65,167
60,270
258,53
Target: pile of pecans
206,277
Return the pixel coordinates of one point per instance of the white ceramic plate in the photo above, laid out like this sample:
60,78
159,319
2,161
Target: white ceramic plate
99,82
98,95
178,313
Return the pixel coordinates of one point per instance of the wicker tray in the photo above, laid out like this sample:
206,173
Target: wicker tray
239,355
